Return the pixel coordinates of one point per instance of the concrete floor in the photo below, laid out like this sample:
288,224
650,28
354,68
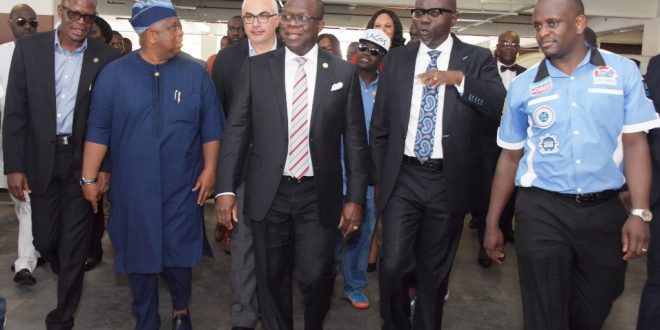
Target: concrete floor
479,298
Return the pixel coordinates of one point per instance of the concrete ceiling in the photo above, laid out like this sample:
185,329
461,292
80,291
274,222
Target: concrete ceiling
478,17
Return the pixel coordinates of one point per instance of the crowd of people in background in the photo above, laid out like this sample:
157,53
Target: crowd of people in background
320,164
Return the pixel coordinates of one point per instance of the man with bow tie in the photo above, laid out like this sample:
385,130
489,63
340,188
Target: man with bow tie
508,46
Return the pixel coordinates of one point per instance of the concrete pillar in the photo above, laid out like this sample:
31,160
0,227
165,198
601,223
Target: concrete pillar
651,37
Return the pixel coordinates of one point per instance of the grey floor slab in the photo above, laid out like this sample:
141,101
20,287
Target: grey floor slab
479,298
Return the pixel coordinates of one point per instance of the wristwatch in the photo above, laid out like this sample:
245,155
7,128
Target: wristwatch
87,182
645,214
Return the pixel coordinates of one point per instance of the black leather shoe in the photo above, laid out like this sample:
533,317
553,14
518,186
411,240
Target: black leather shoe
484,260
181,322
90,263
25,278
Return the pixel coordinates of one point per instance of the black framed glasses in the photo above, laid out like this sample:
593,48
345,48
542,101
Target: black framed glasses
418,13
76,16
373,51
300,19
506,44
261,18
21,21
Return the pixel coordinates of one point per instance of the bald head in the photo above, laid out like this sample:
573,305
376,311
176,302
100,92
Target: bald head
575,6
22,20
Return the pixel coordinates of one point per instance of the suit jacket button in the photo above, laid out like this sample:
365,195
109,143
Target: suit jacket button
52,141
311,139
403,136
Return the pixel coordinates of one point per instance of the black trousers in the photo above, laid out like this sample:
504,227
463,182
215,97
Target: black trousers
420,238
61,226
569,259
483,166
292,243
649,307
98,228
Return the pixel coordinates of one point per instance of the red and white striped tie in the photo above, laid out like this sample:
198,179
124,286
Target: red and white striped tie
299,124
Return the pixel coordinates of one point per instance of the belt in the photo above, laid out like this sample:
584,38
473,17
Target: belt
296,180
431,164
63,140
596,197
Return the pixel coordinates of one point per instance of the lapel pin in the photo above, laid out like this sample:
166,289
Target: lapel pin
156,74
95,60
325,65
464,58
90,87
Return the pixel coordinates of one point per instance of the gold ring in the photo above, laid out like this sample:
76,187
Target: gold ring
356,227
645,250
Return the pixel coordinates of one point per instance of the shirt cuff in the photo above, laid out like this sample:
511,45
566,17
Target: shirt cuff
641,127
461,87
224,194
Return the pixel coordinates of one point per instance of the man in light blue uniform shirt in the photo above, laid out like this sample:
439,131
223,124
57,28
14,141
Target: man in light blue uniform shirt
372,48
570,124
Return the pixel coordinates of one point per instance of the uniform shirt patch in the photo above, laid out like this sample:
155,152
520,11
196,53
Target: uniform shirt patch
544,117
605,75
540,87
548,144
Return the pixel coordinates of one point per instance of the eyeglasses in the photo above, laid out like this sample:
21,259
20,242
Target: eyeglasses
507,44
373,51
300,19
32,21
418,13
261,18
75,16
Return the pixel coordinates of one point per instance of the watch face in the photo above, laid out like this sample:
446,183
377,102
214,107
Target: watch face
647,215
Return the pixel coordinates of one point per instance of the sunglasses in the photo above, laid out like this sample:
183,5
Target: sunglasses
373,51
75,16
32,21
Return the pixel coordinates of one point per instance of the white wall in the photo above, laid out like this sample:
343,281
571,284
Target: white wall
41,7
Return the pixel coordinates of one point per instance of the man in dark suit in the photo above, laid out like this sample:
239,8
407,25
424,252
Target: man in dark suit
649,307
293,108
486,152
260,21
46,112
431,97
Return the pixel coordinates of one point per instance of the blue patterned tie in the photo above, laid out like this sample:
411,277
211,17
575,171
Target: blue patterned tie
427,116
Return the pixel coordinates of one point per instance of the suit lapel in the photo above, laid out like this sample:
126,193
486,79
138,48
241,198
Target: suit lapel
406,86
90,66
457,62
49,70
276,65
324,69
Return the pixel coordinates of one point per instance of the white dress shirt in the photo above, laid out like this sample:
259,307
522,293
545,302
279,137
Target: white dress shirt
421,63
290,68
507,76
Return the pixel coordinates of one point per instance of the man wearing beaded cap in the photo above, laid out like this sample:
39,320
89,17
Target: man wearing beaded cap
164,137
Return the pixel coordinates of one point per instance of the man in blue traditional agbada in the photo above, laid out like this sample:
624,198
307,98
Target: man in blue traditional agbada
164,136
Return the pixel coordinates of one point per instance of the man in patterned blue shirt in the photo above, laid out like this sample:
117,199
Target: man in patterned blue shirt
570,124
